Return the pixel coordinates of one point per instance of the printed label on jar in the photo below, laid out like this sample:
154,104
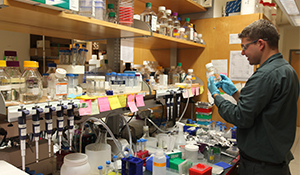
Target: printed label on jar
61,89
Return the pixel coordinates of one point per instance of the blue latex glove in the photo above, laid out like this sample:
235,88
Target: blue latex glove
226,85
213,89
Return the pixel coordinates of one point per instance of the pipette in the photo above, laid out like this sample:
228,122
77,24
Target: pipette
168,106
70,110
22,132
171,105
36,110
48,118
60,122
107,168
115,164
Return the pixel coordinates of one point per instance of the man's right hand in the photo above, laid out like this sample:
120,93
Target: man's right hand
226,85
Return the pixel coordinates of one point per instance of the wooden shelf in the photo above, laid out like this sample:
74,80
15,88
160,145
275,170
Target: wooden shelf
180,6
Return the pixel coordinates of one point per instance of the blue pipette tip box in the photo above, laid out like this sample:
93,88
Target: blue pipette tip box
223,165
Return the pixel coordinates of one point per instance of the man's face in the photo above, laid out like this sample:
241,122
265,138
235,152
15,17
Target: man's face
251,51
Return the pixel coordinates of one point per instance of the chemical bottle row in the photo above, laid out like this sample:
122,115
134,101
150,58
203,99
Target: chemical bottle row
75,56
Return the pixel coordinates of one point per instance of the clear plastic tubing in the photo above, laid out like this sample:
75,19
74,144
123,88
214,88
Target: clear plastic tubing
118,144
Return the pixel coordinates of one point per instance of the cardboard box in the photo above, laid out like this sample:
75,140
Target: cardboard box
39,44
55,50
233,7
38,52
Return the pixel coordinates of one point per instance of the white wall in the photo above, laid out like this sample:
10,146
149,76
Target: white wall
15,41
289,39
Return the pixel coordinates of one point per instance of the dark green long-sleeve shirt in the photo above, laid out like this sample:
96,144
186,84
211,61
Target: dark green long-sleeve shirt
266,112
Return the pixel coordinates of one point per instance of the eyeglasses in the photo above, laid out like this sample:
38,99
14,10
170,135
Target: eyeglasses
244,47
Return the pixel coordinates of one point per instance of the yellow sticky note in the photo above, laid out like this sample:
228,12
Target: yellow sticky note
122,100
201,89
191,93
114,102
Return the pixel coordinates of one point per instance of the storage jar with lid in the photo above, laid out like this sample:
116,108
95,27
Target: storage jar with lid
75,164
13,71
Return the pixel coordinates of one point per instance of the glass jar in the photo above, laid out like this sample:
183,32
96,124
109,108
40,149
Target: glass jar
131,78
5,87
10,55
113,76
59,88
99,84
14,73
32,91
90,83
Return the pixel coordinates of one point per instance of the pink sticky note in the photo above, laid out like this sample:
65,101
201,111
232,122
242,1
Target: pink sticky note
85,109
130,98
132,106
185,94
139,100
193,90
103,104
197,90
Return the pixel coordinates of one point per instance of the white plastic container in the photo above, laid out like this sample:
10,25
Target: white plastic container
159,163
97,158
95,62
247,7
191,152
75,164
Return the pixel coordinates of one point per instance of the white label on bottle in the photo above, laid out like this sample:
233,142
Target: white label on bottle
37,129
50,126
46,110
153,23
61,89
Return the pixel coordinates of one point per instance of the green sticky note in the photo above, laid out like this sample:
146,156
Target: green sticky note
95,108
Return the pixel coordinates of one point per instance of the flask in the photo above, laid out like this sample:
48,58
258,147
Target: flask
14,73
189,30
112,18
159,163
176,25
126,12
169,28
162,20
149,16
59,90
4,82
180,71
32,91
212,71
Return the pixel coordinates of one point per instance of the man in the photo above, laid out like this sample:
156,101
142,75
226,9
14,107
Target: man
266,110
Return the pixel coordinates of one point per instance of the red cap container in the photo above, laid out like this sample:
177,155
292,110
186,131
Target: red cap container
200,169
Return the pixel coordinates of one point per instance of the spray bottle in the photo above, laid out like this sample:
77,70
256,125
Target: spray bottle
180,140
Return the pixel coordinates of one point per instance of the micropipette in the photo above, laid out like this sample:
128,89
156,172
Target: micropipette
168,106
60,122
70,111
48,118
36,128
171,105
22,132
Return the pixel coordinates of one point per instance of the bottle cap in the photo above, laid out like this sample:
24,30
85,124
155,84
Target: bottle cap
179,64
190,70
114,73
100,167
148,4
208,65
12,63
138,141
10,53
159,152
46,74
70,75
168,11
114,157
107,162
60,73
108,74
200,35
51,64
174,14
193,148
2,63
31,64
161,8
187,19
110,6
111,14
181,29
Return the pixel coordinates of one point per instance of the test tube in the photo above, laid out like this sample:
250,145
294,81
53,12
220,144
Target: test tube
115,164
113,76
138,145
213,125
100,169
143,146
107,168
